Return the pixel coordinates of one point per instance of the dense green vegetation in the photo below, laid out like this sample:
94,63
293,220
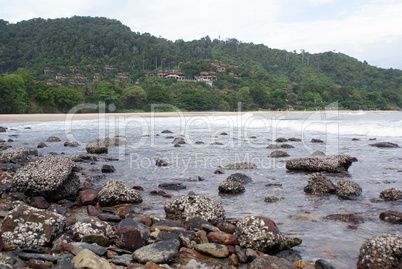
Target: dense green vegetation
255,75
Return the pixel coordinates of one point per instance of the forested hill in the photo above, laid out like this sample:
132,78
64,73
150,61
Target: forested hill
60,44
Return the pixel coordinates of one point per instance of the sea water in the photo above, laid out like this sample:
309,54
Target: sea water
246,139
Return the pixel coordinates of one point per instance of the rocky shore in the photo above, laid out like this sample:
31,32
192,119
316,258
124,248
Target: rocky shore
40,196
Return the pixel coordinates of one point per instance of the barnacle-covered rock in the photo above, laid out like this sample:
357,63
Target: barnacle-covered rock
91,226
391,194
347,188
191,206
329,163
20,154
101,146
239,177
231,187
240,166
383,251
278,154
29,227
319,185
52,177
258,233
115,192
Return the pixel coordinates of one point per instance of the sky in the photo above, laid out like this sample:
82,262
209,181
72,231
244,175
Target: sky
369,30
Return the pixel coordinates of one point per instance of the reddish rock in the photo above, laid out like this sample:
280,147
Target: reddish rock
235,260
3,169
143,219
226,227
353,218
190,253
151,265
122,212
271,262
129,238
39,202
390,216
70,221
222,238
138,188
92,211
110,254
88,196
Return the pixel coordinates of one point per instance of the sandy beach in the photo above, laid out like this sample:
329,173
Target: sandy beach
9,118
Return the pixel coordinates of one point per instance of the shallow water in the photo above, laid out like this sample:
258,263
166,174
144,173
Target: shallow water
298,215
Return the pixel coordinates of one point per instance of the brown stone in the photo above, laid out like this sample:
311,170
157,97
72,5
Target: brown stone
222,238
110,254
129,238
36,264
390,216
138,188
202,235
143,219
190,253
39,202
92,211
234,259
226,227
353,218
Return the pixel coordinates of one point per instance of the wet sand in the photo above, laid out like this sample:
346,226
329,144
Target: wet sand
9,118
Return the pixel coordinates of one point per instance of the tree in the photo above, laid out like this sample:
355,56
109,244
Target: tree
107,95
133,97
13,96
65,98
278,98
157,95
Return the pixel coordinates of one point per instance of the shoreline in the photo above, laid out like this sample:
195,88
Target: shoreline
13,118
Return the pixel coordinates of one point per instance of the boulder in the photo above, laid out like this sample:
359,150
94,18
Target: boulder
278,154
348,189
53,139
391,216
41,145
96,148
239,177
240,166
281,140
293,139
88,196
29,227
191,206
107,168
179,141
316,140
385,145
222,238
129,237
3,129
159,252
258,233
383,251
286,146
73,144
329,163
231,187
319,185
272,199
391,194
21,154
52,177
87,259
167,132
91,226
115,192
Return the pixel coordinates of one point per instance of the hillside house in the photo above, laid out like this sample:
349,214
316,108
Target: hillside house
46,70
221,68
288,90
49,82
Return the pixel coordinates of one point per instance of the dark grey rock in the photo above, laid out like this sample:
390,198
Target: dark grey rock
347,188
278,154
20,154
319,185
172,186
160,162
231,187
239,177
281,140
385,145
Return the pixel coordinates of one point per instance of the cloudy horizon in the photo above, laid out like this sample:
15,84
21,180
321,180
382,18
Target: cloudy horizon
368,30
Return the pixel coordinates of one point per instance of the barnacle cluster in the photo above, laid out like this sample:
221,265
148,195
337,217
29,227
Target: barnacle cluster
115,192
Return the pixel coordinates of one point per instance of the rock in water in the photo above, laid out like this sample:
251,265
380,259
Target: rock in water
51,177
258,233
391,194
271,262
384,251
348,189
29,227
231,187
385,145
239,177
20,154
329,163
319,185
115,192
191,206
278,154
